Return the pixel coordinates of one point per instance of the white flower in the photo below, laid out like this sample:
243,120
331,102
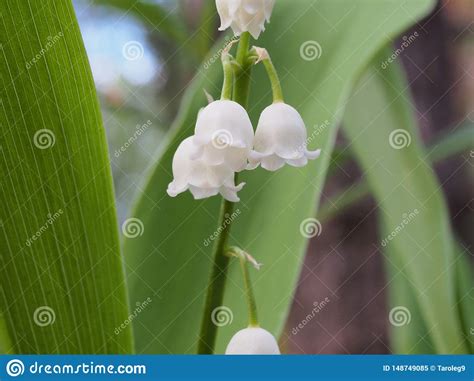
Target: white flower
253,341
199,178
245,15
224,135
280,138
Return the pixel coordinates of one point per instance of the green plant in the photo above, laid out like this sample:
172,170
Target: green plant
56,186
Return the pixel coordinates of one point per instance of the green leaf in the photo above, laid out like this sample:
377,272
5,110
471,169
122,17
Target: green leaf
61,274
170,262
383,134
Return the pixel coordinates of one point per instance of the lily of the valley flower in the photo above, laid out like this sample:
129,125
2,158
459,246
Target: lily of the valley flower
224,135
280,139
201,179
253,341
245,15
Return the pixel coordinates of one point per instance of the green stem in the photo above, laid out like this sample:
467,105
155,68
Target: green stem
252,305
217,281
274,80
242,72
228,78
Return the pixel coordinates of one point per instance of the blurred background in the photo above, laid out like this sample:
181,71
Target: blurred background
141,78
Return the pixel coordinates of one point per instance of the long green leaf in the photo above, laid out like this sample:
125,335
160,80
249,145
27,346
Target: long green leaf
383,134
170,261
61,277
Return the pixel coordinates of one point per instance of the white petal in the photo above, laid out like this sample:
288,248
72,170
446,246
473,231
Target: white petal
253,341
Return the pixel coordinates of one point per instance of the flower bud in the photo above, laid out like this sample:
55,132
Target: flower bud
253,341
280,139
224,135
245,15
199,178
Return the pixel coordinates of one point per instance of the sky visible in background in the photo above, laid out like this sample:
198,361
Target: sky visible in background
106,33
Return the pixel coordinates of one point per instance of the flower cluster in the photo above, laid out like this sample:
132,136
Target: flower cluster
224,143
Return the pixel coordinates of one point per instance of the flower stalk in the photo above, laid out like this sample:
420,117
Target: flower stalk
262,55
244,259
217,282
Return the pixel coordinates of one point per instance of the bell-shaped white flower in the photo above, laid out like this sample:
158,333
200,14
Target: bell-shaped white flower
200,179
224,135
253,341
245,15
280,139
